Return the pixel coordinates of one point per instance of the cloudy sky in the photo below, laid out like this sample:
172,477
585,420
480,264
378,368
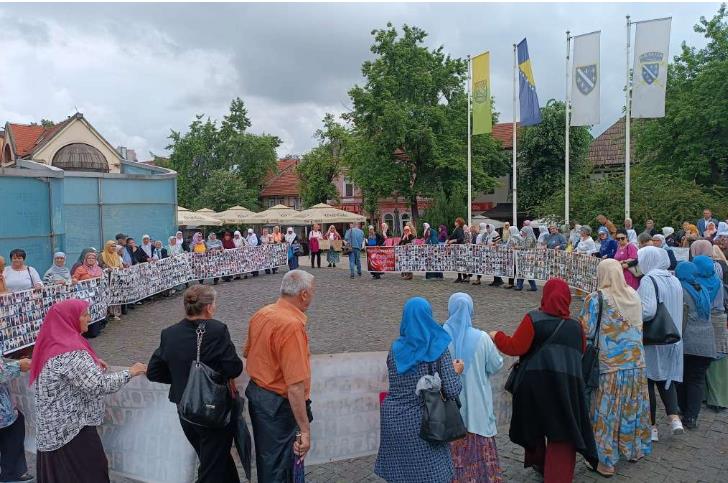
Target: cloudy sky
136,71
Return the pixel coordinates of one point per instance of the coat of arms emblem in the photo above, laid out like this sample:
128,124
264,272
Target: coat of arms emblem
586,78
650,62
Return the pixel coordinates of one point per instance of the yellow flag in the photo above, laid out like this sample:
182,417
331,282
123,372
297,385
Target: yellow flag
482,117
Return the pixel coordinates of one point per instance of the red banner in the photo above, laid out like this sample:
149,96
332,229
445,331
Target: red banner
380,259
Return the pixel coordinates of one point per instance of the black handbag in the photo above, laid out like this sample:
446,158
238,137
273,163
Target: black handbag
590,359
206,400
660,329
441,419
517,369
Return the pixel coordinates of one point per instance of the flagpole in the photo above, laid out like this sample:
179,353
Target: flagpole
470,189
627,122
515,148
567,108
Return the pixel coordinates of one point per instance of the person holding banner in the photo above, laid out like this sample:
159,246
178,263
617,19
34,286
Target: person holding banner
407,238
314,237
529,242
332,256
374,239
13,466
71,382
431,238
458,238
19,276
59,272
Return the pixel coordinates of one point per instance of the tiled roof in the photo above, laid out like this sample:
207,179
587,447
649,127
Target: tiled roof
608,148
25,137
503,132
284,182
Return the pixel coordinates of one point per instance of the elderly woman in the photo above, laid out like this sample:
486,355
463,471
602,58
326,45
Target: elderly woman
529,241
626,255
670,237
147,247
550,417
13,466
19,276
664,362
458,238
70,384
629,229
431,238
59,272
612,320
475,458
514,241
181,241
421,349
332,256
111,260
690,234
293,251
660,242
89,269
174,248
607,246
721,237
586,245
198,243
698,336
407,238
314,238
710,231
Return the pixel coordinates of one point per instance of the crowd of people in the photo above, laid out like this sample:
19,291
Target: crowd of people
561,407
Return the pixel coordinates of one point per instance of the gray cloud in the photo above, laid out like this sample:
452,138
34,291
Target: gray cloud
139,70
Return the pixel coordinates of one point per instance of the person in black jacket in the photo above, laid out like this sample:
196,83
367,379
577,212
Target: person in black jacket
137,254
458,238
170,364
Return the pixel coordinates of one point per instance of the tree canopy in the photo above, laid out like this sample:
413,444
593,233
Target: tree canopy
411,117
208,156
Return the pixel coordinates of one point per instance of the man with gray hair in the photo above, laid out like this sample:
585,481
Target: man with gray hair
278,363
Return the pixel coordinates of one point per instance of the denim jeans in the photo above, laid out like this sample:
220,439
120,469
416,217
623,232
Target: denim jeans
532,283
355,261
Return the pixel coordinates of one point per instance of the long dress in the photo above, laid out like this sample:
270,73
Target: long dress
628,252
620,406
403,456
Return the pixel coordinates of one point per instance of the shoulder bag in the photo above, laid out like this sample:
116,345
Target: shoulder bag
206,400
590,359
441,419
660,329
514,378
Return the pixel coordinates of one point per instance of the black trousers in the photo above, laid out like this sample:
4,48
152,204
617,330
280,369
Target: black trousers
690,392
668,396
213,450
317,257
12,450
274,432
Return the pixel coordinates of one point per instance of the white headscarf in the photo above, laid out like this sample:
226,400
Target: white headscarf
653,261
147,247
290,236
483,228
238,239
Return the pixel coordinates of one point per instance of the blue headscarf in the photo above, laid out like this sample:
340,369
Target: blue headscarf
706,276
421,339
687,273
465,338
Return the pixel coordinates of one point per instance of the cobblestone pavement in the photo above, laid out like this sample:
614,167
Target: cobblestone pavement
363,315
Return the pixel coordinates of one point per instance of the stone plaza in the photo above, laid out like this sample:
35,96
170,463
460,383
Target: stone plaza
361,314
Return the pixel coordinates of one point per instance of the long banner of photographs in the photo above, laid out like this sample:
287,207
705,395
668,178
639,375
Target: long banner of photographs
579,271
22,313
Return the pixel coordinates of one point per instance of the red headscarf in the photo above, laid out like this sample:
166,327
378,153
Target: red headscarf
60,333
556,298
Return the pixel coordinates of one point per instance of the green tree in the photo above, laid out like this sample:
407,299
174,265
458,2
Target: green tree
668,207
541,156
412,114
224,189
691,141
206,149
446,207
320,166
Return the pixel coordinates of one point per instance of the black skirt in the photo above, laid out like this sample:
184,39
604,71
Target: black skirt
82,460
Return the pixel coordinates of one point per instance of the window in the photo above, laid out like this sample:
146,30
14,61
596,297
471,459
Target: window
348,188
389,220
404,219
271,202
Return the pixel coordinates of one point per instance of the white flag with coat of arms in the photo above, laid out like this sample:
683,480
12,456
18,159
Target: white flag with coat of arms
586,80
649,74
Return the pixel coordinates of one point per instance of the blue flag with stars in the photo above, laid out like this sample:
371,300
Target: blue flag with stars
530,112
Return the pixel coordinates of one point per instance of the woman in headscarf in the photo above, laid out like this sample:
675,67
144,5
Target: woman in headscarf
659,241
630,231
293,251
147,246
90,268
492,239
332,256
227,244
514,241
175,247
698,337
442,235
238,239
213,245
664,362
626,255
550,417
690,234
721,237
431,238
81,259
198,243
420,350
59,272
111,260
71,382
181,241
475,458
669,233
607,246
13,465
710,231
407,238
620,404
529,242
481,238
717,377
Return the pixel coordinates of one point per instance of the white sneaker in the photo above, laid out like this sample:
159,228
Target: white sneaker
676,426
654,436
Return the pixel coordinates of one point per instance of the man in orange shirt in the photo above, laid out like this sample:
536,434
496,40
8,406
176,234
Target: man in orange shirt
278,363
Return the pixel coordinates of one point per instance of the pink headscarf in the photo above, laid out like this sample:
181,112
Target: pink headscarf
60,333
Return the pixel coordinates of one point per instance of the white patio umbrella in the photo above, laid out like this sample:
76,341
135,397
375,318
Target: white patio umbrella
186,217
482,219
323,213
237,215
278,215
